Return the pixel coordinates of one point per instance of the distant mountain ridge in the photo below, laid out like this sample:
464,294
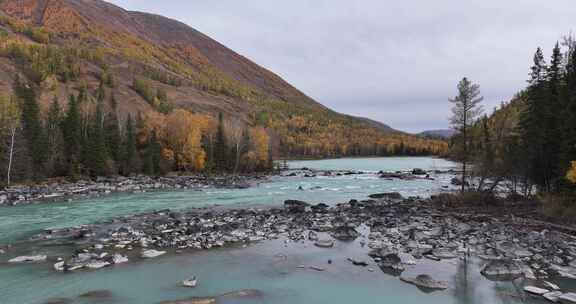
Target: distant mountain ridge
439,133
68,46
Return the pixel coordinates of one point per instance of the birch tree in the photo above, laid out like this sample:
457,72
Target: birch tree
10,114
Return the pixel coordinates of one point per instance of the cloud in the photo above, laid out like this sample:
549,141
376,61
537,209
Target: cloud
393,61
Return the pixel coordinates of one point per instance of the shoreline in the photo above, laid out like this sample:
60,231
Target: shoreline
62,191
398,232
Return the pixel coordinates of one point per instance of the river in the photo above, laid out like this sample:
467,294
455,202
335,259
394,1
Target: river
271,267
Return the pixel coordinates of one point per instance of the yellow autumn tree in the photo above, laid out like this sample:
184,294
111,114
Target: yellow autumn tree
182,135
261,146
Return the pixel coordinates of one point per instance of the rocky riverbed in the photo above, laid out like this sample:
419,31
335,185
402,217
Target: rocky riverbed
396,233
62,190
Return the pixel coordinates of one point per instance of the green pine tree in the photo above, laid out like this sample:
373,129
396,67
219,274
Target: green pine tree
32,126
220,147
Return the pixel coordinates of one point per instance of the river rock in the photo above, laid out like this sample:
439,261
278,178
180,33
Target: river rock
568,298
295,206
345,233
391,262
119,259
444,253
502,268
242,294
388,195
151,253
323,243
553,296
28,259
535,290
97,264
357,262
58,301
97,295
426,282
418,171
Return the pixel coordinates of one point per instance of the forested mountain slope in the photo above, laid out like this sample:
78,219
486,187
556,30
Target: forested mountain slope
150,66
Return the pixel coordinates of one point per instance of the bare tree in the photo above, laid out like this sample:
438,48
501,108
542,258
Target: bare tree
465,112
236,130
9,124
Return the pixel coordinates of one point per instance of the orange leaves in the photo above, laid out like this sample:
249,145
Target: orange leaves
183,134
260,140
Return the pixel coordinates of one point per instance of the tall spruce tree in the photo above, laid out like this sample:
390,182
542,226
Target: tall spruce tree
112,131
569,110
97,154
553,112
32,126
55,138
130,155
533,124
72,131
220,147
152,155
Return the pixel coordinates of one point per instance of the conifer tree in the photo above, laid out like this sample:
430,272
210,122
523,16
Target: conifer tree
533,123
97,154
72,131
220,146
55,138
465,111
152,156
32,126
130,155
112,132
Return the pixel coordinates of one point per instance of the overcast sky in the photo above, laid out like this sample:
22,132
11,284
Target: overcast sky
394,61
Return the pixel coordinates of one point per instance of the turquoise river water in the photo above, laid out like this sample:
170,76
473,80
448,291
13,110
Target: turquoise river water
271,267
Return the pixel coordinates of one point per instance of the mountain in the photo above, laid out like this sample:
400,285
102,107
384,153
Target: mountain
440,133
153,65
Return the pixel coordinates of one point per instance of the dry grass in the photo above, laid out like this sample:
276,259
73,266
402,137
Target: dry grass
559,206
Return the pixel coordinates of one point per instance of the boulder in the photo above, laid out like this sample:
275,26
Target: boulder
58,301
535,290
151,253
324,243
97,295
567,298
97,264
444,253
357,262
418,171
502,269
388,195
345,233
426,282
242,294
28,259
458,182
295,206
119,259
553,296
391,262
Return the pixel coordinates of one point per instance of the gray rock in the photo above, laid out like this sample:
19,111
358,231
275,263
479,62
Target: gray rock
151,253
568,298
553,296
426,282
502,269
324,243
535,290
28,259
388,195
